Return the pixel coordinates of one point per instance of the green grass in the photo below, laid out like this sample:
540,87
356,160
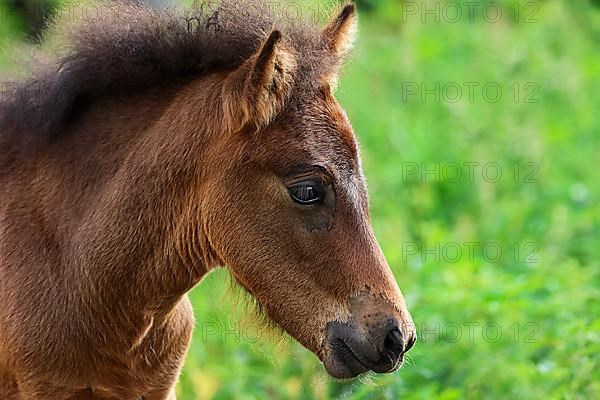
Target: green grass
545,298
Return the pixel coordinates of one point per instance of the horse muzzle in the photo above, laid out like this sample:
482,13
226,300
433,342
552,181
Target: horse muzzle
351,351
375,338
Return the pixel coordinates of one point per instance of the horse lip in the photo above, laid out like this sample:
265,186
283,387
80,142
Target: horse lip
397,365
392,367
352,352
342,361
347,352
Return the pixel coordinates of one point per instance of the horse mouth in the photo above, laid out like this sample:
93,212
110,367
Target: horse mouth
350,353
343,362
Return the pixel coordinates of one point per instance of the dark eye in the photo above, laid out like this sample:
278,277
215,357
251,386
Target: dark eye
306,193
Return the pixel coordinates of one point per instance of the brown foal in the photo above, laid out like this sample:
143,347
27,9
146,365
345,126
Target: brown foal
157,148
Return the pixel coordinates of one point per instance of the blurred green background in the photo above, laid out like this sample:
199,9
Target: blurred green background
479,124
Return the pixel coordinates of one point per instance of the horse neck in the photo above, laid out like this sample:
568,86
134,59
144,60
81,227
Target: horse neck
147,245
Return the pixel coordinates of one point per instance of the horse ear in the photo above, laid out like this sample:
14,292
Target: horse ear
263,82
340,33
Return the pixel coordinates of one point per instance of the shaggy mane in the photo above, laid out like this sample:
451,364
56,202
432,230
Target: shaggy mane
131,47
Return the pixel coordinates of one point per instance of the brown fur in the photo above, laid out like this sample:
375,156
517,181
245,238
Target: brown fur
153,154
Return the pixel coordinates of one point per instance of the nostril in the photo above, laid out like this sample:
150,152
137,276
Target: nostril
393,339
393,345
410,343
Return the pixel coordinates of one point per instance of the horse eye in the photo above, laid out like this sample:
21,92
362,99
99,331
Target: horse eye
307,193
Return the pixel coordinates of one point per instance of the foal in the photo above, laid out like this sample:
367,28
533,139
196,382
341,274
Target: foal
158,148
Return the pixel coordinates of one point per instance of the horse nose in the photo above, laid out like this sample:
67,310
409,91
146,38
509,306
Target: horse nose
393,346
410,342
353,351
